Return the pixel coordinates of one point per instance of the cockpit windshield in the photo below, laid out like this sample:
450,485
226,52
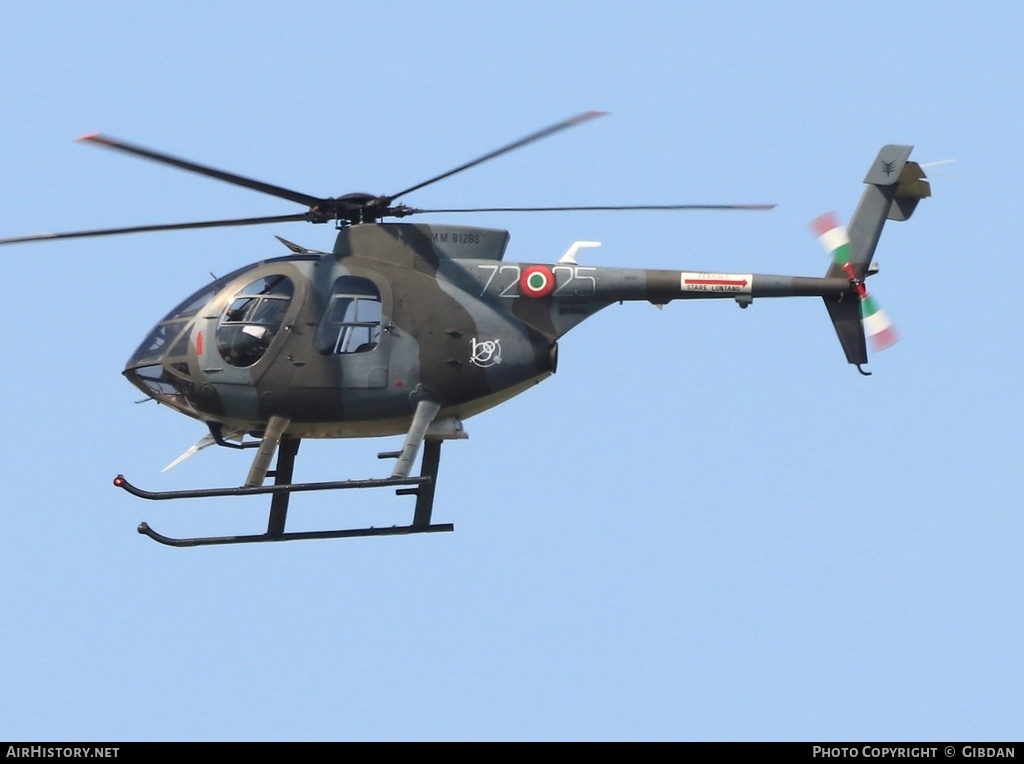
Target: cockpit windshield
170,327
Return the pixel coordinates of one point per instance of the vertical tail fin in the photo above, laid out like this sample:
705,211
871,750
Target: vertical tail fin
894,187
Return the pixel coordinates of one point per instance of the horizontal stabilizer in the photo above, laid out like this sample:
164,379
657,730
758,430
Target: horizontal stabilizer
911,189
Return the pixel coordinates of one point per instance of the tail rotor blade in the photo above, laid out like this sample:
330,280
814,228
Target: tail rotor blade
877,326
833,238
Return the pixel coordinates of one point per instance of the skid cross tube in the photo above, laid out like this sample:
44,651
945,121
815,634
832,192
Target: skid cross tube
421,486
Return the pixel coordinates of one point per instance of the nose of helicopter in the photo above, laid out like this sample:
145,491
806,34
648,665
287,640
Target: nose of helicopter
159,367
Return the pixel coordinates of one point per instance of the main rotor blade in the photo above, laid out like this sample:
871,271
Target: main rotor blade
238,180
599,208
162,227
551,130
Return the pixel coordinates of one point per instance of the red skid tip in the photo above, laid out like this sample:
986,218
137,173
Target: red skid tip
96,138
119,481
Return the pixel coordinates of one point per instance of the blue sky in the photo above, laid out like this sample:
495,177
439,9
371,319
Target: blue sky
705,526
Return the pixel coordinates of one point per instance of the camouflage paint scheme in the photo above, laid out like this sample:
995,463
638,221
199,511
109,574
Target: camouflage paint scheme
410,329
459,327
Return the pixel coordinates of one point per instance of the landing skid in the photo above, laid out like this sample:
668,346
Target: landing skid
395,530
422,487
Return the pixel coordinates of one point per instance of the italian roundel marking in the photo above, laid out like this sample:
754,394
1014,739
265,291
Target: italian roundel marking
537,281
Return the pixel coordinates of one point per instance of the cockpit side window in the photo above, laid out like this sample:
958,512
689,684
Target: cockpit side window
253,319
352,320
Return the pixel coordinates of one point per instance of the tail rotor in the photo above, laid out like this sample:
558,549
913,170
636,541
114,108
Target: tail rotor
832,235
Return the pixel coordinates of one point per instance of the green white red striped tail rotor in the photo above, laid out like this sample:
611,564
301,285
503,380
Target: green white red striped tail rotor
833,237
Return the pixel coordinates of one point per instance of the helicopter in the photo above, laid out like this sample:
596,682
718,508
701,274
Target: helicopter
411,328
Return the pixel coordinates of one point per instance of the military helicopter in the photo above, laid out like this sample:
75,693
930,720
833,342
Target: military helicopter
412,328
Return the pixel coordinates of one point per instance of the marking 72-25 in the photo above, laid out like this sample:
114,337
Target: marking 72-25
574,280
